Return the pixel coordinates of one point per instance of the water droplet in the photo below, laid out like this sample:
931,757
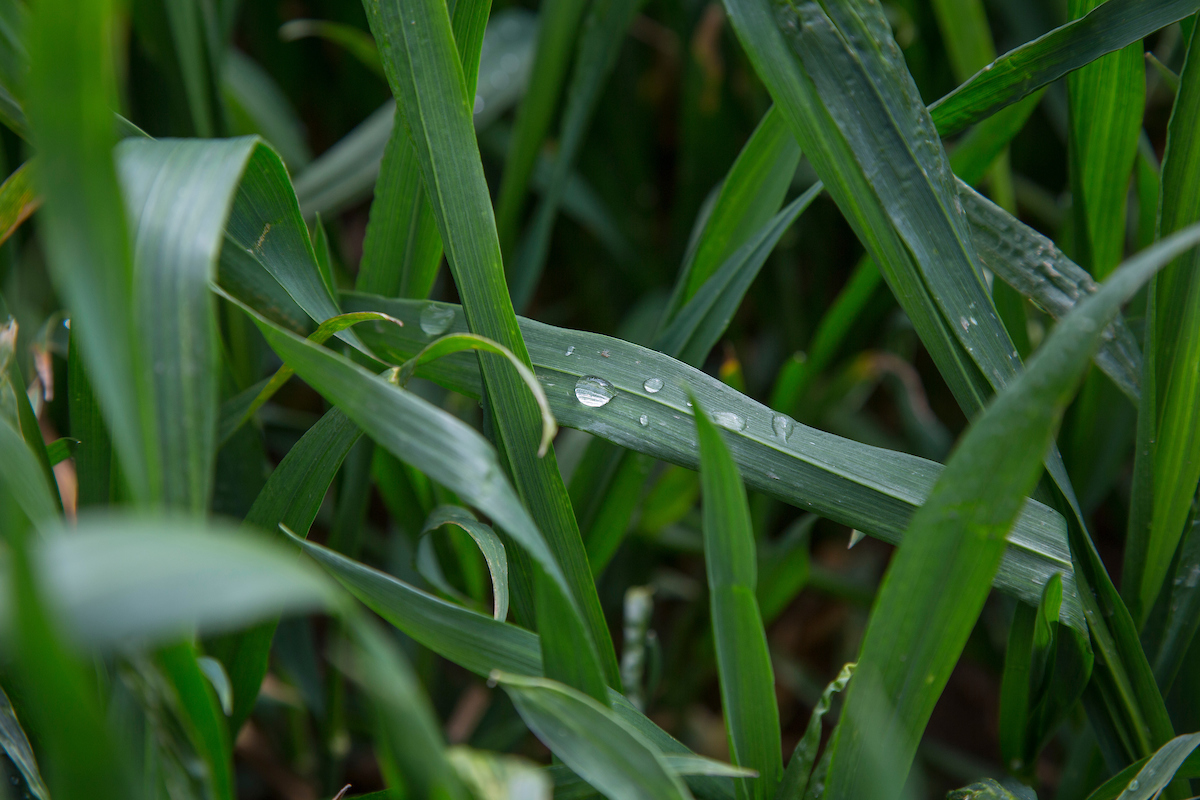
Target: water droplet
1133,785
435,320
594,392
856,536
730,420
782,425
570,350
480,104
653,385
645,420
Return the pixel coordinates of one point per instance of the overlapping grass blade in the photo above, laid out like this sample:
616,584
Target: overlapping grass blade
603,32
558,26
402,248
1117,784
803,761
1110,26
489,545
481,644
750,196
699,324
868,488
201,714
591,740
422,66
872,171
1167,465
954,543
419,433
291,496
1031,263
743,661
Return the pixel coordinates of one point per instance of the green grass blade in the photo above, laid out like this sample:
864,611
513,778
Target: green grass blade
426,76
94,455
70,96
803,760
1161,768
1167,465
266,233
420,434
703,319
413,752
402,248
743,661
17,748
19,468
1107,100
183,18
750,195
346,172
17,200
178,197
938,579
1117,784
1031,263
600,44
354,41
201,713
591,740
292,495
557,28
1183,617
80,758
489,545
1110,26
867,488
462,342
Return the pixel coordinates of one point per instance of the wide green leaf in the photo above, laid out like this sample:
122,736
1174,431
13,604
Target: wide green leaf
867,488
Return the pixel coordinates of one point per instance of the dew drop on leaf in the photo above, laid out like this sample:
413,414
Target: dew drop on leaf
594,392
435,320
